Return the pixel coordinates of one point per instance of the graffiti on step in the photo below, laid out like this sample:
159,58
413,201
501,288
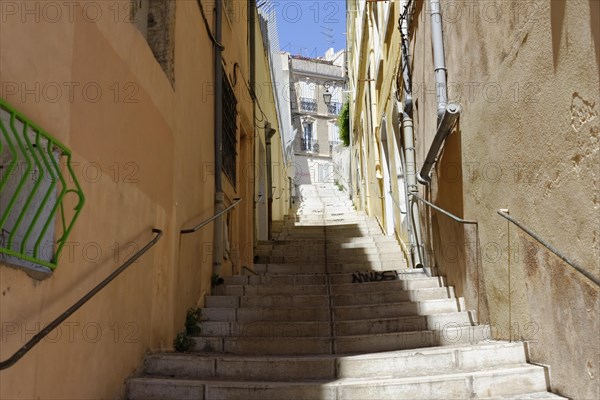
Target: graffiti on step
374,276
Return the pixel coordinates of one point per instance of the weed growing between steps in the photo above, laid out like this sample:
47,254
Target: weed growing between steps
183,341
216,280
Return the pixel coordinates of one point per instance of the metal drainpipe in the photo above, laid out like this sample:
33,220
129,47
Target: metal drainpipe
409,149
411,180
447,114
269,132
251,28
219,195
439,60
444,128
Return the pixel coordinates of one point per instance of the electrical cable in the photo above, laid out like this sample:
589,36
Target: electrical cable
207,26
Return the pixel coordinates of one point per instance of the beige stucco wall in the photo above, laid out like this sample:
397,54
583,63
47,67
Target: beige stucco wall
526,75
142,164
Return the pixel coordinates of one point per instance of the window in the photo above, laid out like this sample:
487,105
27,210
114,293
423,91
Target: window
334,135
308,143
335,106
229,111
307,90
155,19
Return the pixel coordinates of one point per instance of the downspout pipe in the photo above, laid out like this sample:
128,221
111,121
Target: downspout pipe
447,114
408,139
269,133
439,59
219,195
449,118
252,16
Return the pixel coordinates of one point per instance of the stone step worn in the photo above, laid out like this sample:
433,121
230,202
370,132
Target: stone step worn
332,367
332,311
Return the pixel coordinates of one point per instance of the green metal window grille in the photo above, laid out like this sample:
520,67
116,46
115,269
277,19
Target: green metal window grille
37,183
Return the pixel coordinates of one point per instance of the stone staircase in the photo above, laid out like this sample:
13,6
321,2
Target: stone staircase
335,314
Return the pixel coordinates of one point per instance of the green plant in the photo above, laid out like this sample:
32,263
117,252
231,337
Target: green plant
182,342
216,280
339,185
343,123
192,321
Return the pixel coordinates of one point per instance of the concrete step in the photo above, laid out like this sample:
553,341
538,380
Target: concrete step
332,367
336,258
288,300
311,213
268,290
531,396
393,296
509,380
321,279
330,248
355,244
332,241
515,381
342,288
340,328
340,313
332,237
379,239
371,343
390,310
388,286
267,301
328,221
330,267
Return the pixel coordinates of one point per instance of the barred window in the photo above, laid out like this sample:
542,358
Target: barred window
229,111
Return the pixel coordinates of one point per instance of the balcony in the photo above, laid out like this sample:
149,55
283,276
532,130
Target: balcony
334,108
311,145
308,105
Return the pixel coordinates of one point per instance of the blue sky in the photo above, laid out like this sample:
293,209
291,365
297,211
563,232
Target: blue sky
310,27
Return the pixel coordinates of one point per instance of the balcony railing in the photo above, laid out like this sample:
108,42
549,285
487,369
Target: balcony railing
309,105
311,145
334,108
37,186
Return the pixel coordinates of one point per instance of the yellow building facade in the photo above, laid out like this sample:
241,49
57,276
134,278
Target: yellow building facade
523,78
129,89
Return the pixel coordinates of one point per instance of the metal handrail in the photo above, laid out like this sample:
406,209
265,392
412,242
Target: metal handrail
208,221
579,268
9,362
249,270
446,213
396,203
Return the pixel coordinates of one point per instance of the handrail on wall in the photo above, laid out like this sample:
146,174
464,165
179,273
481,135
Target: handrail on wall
446,213
9,362
208,221
504,213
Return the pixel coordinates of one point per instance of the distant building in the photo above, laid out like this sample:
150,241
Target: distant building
316,98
